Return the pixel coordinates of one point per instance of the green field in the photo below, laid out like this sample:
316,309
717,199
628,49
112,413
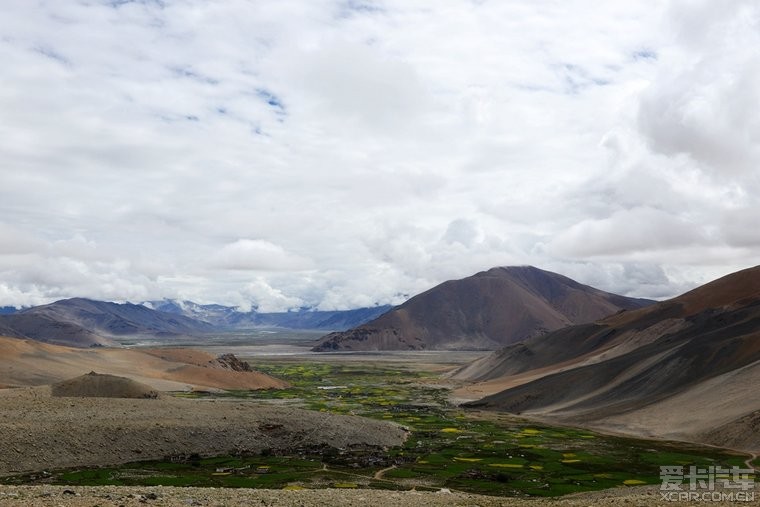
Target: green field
448,447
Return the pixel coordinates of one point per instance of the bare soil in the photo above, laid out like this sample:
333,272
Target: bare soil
25,363
97,385
113,496
40,432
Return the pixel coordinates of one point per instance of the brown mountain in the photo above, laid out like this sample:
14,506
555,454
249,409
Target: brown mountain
679,369
485,311
25,363
83,322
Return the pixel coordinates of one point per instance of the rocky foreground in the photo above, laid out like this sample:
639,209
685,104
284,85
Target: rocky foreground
42,432
107,496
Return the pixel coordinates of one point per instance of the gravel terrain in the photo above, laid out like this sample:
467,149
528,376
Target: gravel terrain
39,432
107,496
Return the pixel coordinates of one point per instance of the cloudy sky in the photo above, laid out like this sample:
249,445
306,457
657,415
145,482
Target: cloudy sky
287,153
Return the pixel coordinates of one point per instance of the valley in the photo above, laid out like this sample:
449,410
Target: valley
447,447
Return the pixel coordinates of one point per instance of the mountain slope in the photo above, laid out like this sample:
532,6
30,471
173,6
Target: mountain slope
25,363
83,322
679,369
484,311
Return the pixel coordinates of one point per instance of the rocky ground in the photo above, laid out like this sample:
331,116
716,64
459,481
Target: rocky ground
108,496
40,432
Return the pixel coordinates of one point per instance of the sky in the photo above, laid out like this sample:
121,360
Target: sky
344,153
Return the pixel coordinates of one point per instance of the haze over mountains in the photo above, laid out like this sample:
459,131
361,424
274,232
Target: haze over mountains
83,323
684,368
228,317
485,311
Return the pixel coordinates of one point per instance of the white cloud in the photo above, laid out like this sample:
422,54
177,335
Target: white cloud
625,234
257,255
462,231
288,153
269,298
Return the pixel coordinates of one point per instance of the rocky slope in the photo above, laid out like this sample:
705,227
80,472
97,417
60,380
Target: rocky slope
485,311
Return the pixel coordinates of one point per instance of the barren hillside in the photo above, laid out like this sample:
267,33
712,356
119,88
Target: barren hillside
31,363
679,369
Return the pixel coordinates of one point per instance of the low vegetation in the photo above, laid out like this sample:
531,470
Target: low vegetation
448,447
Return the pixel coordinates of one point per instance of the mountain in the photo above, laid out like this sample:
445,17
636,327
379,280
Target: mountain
7,310
686,368
484,311
320,319
216,315
229,318
83,322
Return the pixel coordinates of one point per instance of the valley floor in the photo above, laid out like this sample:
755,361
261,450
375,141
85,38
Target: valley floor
447,449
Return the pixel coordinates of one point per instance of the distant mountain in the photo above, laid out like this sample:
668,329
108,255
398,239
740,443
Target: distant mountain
216,315
229,318
319,319
83,322
485,311
7,310
687,368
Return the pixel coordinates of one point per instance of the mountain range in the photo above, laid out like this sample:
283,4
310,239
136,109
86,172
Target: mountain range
485,311
686,368
227,317
85,323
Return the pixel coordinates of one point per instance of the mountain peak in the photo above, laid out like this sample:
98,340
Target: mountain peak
485,311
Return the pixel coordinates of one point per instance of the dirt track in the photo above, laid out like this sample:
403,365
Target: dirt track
39,432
